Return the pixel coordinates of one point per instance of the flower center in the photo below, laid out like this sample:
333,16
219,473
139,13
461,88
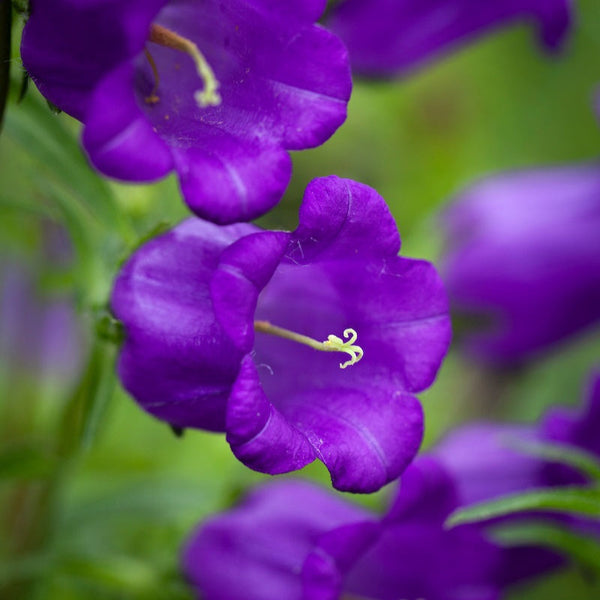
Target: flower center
209,94
332,344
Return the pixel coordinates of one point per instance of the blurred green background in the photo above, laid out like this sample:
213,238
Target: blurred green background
96,495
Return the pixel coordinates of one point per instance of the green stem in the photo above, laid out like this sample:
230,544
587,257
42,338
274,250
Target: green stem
5,46
35,506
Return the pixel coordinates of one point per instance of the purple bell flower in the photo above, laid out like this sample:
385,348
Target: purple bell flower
223,327
216,90
501,467
295,541
41,338
524,251
489,460
393,37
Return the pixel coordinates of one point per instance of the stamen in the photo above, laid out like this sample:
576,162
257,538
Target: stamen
331,344
152,98
209,96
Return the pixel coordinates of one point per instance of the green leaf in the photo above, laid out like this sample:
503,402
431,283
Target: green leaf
23,462
50,141
5,45
30,567
571,500
582,548
584,462
83,413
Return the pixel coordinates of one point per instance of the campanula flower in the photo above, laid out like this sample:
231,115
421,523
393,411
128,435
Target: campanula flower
217,91
40,334
295,541
393,37
523,252
302,345
490,460
502,464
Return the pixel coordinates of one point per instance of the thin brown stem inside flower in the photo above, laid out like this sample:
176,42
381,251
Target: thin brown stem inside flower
153,97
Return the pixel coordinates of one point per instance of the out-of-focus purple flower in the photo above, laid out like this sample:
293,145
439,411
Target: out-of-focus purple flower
500,465
393,37
191,300
39,331
490,460
263,79
295,541
524,250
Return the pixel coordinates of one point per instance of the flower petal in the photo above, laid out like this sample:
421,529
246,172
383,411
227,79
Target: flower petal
391,37
69,45
176,361
259,435
118,138
257,550
227,179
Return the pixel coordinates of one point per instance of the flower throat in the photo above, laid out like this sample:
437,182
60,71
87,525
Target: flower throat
209,94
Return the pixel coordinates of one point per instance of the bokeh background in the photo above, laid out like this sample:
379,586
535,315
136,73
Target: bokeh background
97,496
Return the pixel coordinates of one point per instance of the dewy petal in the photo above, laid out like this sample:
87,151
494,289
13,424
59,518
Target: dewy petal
257,550
393,37
284,83
524,249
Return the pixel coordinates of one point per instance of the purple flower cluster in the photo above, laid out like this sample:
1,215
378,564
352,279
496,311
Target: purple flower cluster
500,466
295,541
201,303
292,540
313,344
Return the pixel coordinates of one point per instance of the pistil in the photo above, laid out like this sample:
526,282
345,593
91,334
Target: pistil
332,344
209,95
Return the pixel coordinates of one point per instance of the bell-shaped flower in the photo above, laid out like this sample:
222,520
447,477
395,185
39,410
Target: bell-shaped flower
394,37
302,345
295,541
42,342
504,465
523,252
217,91
490,460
